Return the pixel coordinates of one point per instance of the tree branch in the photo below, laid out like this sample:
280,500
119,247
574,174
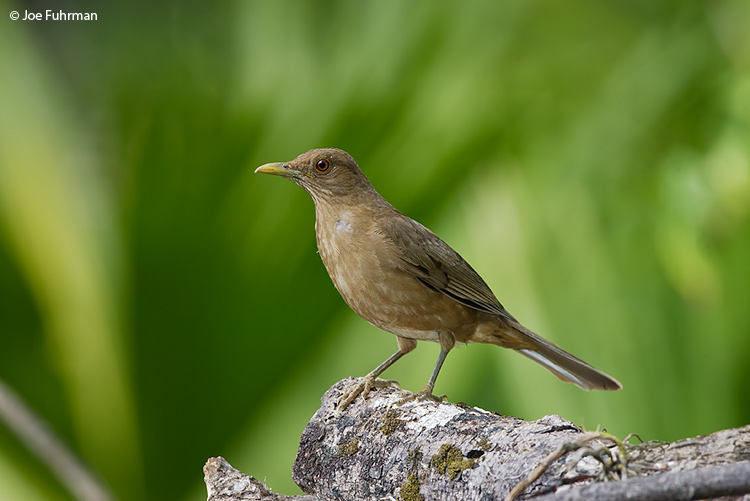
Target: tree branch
224,483
702,483
377,450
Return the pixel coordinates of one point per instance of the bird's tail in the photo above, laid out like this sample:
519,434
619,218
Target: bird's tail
567,367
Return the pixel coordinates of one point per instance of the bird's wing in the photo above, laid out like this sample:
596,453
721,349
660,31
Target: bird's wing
436,265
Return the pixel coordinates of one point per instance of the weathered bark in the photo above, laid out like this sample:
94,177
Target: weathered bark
376,450
728,481
224,483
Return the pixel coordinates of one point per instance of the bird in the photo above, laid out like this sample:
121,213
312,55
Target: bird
402,278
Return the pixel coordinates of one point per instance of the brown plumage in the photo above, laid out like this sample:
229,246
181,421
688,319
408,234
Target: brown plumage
401,277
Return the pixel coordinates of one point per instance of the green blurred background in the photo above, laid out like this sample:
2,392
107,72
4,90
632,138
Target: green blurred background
160,305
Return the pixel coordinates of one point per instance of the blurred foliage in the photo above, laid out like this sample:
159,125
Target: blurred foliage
160,305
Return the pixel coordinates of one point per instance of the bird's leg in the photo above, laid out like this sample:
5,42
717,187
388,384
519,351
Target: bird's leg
370,381
426,393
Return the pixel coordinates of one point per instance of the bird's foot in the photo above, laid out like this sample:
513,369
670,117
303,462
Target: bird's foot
425,394
363,387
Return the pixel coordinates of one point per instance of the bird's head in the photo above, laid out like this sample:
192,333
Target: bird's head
325,173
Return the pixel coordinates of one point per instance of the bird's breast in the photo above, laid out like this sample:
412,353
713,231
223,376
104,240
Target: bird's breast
365,268
342,244
353,253
342,226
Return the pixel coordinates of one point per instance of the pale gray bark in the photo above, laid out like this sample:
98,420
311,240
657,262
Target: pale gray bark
377,450
224,483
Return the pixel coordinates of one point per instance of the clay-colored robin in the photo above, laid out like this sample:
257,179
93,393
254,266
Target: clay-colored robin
399,276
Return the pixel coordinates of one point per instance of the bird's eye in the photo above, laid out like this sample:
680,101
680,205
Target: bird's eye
322,165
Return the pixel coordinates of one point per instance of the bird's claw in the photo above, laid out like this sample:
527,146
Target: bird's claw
424,395
363,387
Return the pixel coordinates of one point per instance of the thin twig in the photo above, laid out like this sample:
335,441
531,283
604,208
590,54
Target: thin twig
608,465
42,441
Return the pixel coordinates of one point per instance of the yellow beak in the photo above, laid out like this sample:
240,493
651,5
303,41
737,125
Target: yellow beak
282,169
276,169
